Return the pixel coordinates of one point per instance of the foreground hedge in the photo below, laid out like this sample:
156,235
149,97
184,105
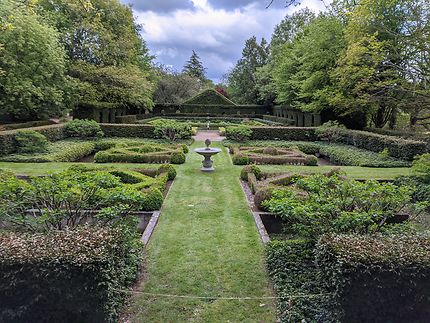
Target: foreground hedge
378,279
66,276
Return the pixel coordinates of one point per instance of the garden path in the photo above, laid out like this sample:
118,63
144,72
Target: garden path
205,244
212,135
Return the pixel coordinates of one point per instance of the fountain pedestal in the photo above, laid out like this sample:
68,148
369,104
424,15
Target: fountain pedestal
207,153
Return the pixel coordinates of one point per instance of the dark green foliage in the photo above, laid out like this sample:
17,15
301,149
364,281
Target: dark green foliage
194,67
83,129
29,124
169,169
130,119
211,97
239,133
292,268
283,133
61,151
421,167
30,141
312,161
377,278
128,130
320,204
421,189
152,200
177,158
262,194
217,110
67,276
171,129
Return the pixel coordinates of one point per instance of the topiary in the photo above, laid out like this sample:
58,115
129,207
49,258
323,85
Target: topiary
251,169
30,141
169,169
177,158
83,129
311,161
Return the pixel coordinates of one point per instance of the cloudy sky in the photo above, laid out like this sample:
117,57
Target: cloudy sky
215,29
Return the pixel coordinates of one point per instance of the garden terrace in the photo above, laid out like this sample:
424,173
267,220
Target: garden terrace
270,155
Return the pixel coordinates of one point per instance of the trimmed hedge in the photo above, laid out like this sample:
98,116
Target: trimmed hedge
128,130
66,276
8,144
24,125
284,133
377,278
397,147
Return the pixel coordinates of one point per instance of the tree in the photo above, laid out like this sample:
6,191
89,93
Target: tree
102,34
242,79
194,67
34,85
173,87
303,66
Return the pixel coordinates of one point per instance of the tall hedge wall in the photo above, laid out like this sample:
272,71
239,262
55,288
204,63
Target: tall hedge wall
377,279
128,130
52,133
66,276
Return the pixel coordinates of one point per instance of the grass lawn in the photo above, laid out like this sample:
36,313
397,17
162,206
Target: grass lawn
45,168
205,244
351,171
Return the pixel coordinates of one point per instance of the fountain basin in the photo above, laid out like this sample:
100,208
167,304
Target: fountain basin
207,153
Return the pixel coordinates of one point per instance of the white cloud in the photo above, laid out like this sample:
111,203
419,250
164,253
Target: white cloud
217,35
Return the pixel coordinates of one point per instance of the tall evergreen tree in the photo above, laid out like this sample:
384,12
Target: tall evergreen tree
194,67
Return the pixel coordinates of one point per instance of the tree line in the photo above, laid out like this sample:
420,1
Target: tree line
366,62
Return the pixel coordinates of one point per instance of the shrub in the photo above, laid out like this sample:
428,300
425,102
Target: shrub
332,204
171,129
83,129
177,158
128,130
239,133
311,161
152,200
421,167
169,169
185,149
29,141
330,131
130,177
66,276
377,278
239,159
251,169
283,133
130,119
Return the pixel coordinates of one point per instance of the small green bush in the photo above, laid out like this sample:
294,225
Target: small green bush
171,129
29,141
177,158
421,167
83,129
152,200
330,131
311,161
251,169
185,149
239,133
239,159
262,194
169,169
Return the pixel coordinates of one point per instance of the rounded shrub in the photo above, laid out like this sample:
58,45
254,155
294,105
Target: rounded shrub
185,149
169,169
152,200
239,133
311,161
177,158
30,141
83,129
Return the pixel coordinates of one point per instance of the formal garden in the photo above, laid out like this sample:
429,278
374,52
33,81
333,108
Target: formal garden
297,189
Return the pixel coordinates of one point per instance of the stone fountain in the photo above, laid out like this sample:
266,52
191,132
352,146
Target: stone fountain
207,153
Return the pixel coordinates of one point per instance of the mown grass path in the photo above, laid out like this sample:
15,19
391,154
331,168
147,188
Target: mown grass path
205,244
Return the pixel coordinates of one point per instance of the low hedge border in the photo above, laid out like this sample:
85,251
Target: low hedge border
128,130
66,276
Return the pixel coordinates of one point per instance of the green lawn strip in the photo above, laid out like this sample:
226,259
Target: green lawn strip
45,168
205,244
351,171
